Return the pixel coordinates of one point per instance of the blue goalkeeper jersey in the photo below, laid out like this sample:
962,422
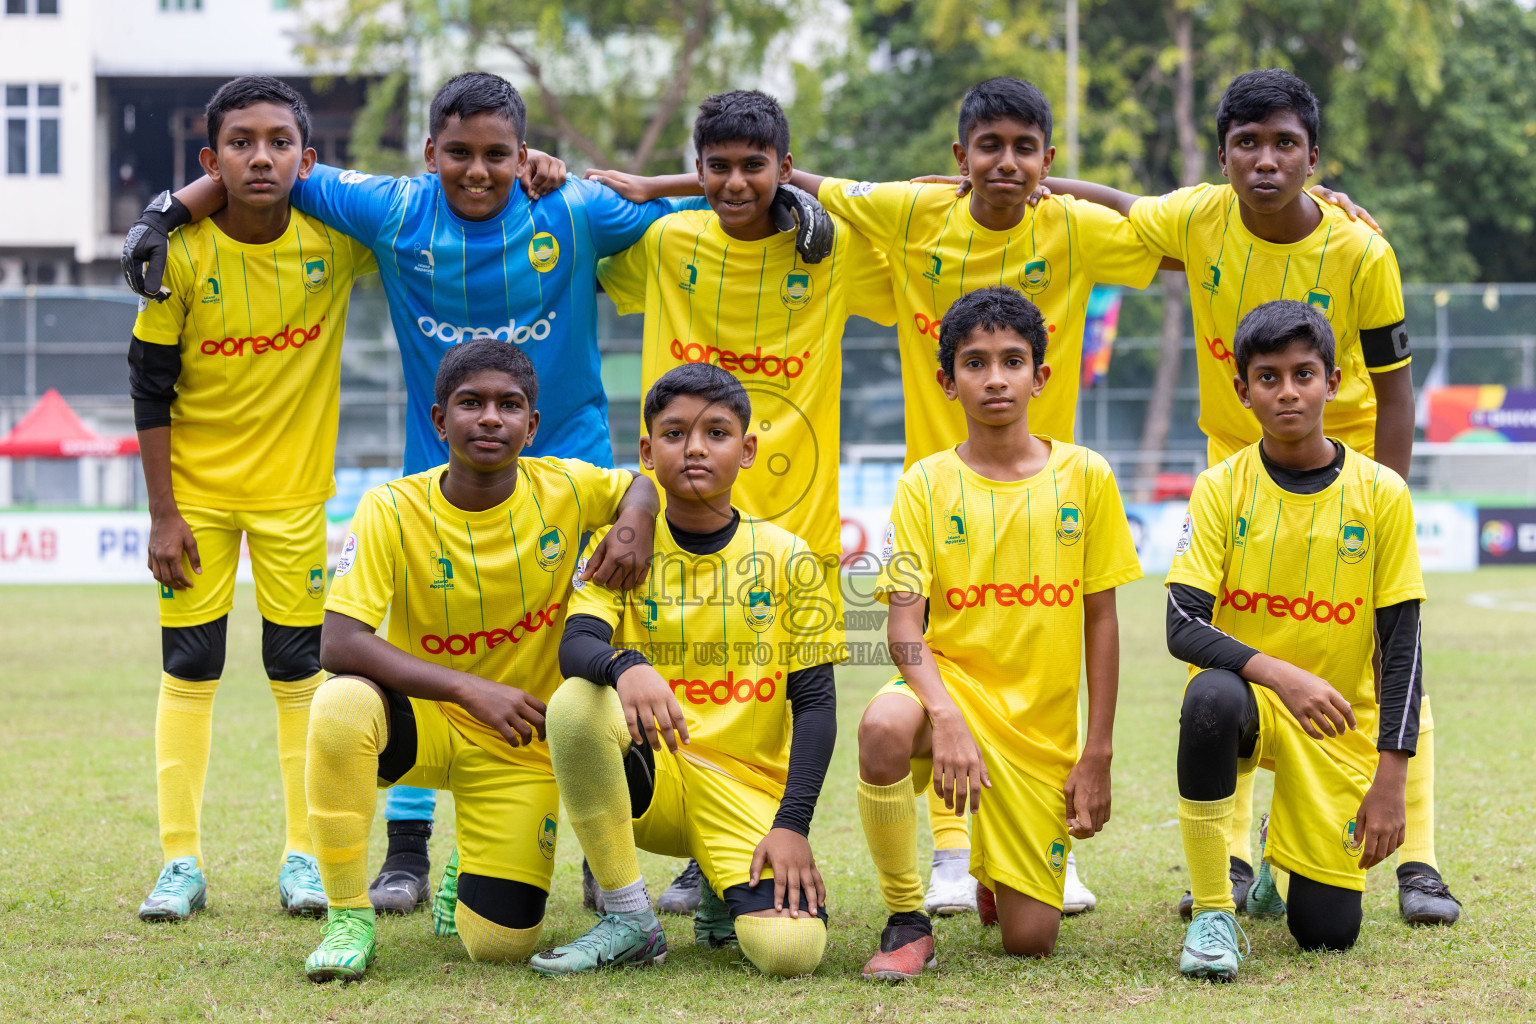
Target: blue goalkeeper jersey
526,276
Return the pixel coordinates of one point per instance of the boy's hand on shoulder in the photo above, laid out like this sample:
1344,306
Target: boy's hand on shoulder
959,772
794,209
788,854
1320,709
149,244
634,187
650,708
515,714
1343,202
1088,795
622,559
542,174
169,536
1382,820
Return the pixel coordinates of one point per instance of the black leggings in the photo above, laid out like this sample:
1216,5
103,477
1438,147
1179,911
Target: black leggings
1218,726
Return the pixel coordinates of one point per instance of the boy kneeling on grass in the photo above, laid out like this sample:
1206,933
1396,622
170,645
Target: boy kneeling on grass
1300,546
729,643
1014,542
472,563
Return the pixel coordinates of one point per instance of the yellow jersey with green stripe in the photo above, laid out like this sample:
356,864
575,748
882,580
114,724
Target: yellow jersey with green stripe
1005,566
726,630
1299,576
480,592
938,252
1343,268
775,323
253,426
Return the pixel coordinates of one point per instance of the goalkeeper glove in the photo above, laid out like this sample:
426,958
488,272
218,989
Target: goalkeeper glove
148,244
796,210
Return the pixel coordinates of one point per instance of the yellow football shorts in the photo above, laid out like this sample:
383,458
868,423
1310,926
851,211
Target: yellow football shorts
1019,836
1312,816
506,814
287,559
700,812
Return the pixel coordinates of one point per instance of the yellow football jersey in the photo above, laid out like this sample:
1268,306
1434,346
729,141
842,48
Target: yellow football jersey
938,253
1300,576
1343,268
253,426
481,592
774,322
1004,566
726,630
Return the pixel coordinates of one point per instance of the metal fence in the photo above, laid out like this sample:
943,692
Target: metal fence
75,340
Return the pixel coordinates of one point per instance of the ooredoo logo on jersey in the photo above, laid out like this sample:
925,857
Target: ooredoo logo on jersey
1302,609
486,639
1011,595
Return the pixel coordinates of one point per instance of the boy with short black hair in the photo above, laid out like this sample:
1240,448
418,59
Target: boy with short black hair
1300,546
1011,544
234,379
472,564
733,599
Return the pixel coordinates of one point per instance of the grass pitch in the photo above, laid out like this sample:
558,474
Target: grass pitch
79,850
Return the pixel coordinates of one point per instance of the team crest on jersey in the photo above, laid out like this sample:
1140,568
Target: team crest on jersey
1036,277
759,609
211,290
1354,541
348,555
1321,299
1069,524
1057,853
687,275
649,614
442,572
166,593
316,273
314,584
1186,535
547,829
795,291
543,252
888,544
551,547
1353,840
1210,280
935,265
1242,531
954,530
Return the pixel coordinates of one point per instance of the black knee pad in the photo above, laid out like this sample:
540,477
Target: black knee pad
1322,916
1218,725
502,901
290,653
1216,701
194,653
749,899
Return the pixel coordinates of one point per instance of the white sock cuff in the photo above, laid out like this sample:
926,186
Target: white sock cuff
628,899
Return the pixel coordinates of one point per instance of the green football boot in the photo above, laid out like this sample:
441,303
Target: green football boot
1264,899
1210,947
179,892
713,925
617,940
347,949
298,886
446,903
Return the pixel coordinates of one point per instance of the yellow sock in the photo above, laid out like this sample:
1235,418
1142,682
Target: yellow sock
1205,825
183,733
347,730
782,947
293,701
587,743
1282,879
1241,839
488,942
1419,797
889,815
950,831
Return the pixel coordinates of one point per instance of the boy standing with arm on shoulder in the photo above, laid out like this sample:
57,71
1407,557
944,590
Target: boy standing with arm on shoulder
1300,546
731,789
1014,542
234,379
472,564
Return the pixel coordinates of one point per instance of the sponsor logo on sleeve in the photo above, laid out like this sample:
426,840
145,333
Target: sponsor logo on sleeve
353,177
576,581
1186,535
348,556
888,544
856,189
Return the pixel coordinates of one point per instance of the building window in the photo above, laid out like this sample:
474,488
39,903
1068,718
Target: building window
181,5
15,6
30,127
38,6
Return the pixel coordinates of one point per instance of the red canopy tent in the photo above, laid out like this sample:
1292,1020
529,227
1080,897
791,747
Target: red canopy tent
51,430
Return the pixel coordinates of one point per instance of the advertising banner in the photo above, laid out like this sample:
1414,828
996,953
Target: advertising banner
1491,413
1506,536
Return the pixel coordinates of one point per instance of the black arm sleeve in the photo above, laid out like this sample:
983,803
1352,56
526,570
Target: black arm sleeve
586,650
1192,638
813,702
152,374
1402,676
1383,346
